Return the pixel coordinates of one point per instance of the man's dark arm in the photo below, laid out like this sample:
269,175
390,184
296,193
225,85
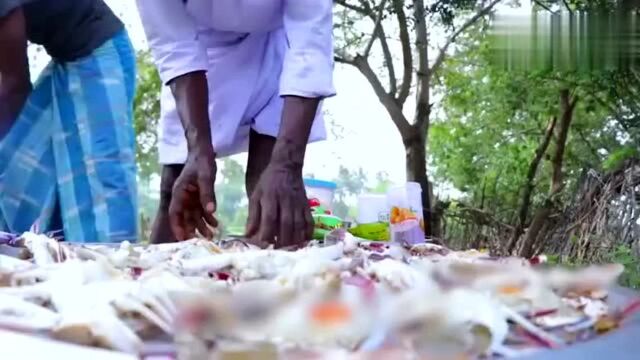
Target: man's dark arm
278,208
297,118
191,94
15,84
193,199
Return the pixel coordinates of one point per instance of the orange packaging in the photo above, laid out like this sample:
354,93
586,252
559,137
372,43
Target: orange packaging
405,213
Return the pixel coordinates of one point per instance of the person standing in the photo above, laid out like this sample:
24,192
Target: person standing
67,146
240,75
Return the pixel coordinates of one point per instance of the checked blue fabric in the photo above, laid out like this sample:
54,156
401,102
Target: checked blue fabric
69,160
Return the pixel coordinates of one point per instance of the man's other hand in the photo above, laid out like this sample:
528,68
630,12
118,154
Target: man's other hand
193,200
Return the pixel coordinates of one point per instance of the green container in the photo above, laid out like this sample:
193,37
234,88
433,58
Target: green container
378,231
324,224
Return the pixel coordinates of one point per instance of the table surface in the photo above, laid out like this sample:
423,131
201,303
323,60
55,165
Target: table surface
621,344
33,348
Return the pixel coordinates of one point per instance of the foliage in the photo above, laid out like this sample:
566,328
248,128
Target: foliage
147,208
499,117
446,11
232,202
488,130
350,184
382,183
619,156
146,115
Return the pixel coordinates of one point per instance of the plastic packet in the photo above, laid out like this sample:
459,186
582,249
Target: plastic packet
405,214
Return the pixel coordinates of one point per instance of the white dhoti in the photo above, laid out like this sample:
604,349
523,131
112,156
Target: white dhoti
282,50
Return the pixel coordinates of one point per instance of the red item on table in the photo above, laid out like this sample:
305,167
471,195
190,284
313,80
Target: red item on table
314,202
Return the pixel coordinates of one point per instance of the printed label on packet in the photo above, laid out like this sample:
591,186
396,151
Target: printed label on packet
406,226
383,216
407,233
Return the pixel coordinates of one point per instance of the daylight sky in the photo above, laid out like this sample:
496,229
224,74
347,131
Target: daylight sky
366,137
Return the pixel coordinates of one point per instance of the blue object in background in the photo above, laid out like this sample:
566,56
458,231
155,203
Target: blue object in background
315,183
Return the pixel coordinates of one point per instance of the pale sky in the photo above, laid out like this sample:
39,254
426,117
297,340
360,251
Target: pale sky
368,138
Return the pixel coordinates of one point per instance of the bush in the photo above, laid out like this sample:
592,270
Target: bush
624,255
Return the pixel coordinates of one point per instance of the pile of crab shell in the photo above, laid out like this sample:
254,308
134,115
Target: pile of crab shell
338,299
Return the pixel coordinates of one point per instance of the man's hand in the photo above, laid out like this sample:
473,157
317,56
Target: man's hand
279,213
193,201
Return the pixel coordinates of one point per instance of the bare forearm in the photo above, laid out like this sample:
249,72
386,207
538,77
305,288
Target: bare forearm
191,93
297,119
15,84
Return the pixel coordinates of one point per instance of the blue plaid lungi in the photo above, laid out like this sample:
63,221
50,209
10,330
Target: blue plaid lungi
69,160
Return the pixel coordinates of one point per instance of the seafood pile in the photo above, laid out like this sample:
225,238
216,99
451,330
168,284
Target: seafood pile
340,297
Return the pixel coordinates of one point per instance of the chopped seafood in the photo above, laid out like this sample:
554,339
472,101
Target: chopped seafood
344,295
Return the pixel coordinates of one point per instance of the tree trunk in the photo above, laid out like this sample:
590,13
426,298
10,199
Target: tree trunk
541,218
562,133
438,223
523,212
536,230
416,161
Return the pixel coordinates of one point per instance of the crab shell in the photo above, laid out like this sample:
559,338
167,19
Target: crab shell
46,250
459,321
18,313
398,276
69,272
114,314
591,278
10,264
101,328
321,319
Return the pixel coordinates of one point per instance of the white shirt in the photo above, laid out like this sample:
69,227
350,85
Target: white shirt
252,50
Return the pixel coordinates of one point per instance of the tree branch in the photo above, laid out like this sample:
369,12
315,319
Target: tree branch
566,116
376,27
523,212
343,60
388,59
395,112
423,108
360,10
537,2
407,56
443,51
366,10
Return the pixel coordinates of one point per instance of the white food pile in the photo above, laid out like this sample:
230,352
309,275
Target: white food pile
350,296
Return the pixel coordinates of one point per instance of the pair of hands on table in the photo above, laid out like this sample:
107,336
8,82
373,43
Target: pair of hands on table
278,209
